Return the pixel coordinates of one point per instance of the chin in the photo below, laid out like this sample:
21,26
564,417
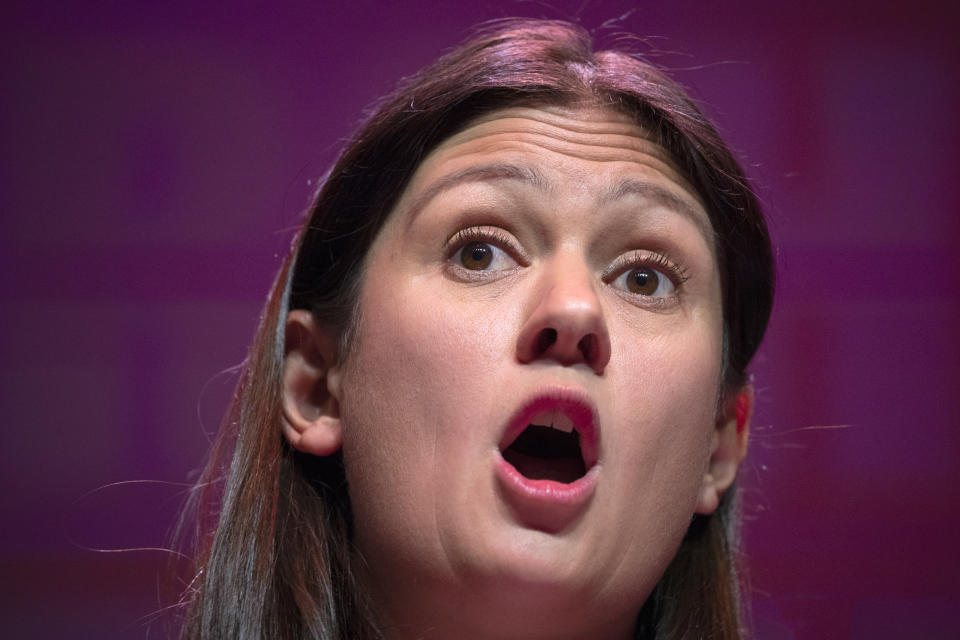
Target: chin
523,570
533,589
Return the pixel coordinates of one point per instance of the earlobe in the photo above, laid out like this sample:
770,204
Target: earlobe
729,448
311,413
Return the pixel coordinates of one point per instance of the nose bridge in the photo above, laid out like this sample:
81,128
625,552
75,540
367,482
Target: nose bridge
566,321
568,285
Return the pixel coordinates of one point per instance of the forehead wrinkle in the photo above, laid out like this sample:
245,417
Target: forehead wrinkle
488,172
595,145
664,197
576,122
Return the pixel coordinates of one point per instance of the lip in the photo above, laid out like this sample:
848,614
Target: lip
548,505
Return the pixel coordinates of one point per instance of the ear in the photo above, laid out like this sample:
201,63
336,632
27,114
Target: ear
729,448
311,387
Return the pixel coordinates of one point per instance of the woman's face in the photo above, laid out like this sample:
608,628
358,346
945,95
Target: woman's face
544,267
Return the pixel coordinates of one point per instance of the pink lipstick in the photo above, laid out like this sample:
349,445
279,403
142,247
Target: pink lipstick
547,459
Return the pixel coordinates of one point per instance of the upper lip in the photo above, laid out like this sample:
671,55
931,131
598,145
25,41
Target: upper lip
574,403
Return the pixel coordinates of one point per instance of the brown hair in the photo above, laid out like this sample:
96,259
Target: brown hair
274,526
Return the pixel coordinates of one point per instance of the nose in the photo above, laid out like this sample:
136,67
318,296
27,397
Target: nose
566,321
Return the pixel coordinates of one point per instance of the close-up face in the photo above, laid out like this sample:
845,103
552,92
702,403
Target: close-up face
529,404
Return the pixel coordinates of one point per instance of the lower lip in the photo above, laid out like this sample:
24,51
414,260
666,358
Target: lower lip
545,504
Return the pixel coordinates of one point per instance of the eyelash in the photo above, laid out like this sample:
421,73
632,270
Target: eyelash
646,258
491,235
660,261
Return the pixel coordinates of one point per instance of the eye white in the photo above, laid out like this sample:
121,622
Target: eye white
627,281
500,260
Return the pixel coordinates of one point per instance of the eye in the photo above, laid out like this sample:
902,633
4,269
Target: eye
480,251
645,281
648,275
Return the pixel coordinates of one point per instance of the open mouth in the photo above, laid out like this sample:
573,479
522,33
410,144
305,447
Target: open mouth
549,448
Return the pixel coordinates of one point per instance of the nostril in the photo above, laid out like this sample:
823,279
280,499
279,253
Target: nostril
545,340
588,346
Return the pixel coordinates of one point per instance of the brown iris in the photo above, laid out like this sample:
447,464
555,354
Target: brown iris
643,281
476,256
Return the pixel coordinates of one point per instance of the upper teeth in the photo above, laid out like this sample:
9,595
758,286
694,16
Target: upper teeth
555,419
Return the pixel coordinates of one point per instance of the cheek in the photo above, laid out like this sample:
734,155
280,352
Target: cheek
410,342
670,397
666,400
411,346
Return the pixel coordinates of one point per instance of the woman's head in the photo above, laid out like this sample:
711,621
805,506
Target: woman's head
526,233
532,63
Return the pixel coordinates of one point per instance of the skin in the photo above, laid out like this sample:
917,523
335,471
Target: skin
569,201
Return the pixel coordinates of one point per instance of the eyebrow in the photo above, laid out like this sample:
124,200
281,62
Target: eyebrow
528,175
480,173
664,197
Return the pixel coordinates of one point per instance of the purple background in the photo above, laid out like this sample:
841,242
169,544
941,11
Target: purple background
156,158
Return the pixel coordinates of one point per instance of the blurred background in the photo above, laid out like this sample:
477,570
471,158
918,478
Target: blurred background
155,158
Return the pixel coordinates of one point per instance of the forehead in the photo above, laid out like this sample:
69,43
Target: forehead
589,132
599,152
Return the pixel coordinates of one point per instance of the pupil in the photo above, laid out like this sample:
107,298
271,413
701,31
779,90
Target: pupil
476,255
644,281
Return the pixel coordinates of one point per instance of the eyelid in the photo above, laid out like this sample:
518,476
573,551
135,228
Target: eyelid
647,258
